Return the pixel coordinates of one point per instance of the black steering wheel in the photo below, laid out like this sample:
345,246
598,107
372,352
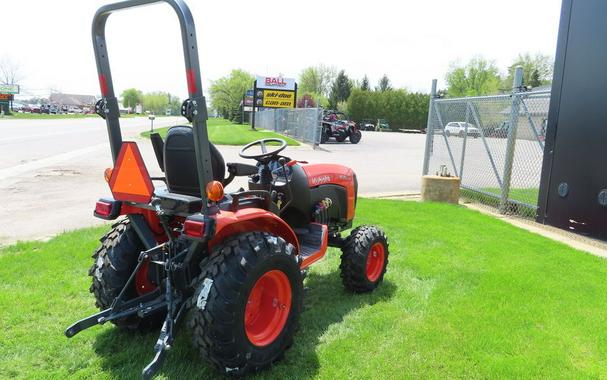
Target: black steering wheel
265,154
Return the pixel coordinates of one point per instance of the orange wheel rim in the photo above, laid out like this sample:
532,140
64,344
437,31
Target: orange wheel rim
375,261
143,285
268,308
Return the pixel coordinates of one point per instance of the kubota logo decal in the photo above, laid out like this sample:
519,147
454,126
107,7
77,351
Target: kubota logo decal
318,180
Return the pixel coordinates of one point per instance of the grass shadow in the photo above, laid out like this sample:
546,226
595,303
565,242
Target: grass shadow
123,354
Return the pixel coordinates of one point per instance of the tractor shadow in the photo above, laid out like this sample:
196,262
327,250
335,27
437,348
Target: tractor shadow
123,354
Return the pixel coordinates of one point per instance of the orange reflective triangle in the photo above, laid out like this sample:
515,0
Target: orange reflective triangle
130,180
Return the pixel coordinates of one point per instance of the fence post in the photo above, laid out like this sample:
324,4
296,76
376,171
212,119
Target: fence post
511,143
317,123
429,130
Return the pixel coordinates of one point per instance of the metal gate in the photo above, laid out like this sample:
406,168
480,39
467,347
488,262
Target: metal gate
494,143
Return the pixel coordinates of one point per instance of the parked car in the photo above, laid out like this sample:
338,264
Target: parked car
367,125
383,125
459,128
501,131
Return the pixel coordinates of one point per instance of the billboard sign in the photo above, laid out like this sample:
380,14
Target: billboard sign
275,92
248,99
9,88
278,99
6,97
276,83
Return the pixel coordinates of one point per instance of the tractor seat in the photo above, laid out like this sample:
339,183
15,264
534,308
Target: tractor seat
180,161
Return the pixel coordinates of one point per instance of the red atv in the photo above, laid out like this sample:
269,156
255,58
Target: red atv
336,124
234,263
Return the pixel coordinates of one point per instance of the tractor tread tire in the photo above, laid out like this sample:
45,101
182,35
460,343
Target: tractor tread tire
216,310
354,258
114,261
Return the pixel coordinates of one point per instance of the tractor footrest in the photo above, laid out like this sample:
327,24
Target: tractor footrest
313,242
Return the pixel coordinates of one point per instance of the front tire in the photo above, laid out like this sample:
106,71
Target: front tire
355,137
247,303
364,259
447,133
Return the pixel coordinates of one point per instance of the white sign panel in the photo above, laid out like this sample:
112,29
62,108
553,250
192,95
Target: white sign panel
276,83
9,88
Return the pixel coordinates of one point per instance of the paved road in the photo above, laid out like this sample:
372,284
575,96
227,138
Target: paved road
51,171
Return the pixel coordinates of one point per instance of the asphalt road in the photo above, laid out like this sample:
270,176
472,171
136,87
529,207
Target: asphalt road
51,171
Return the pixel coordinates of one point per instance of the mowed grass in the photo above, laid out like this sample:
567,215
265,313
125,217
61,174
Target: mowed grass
466,296
224,132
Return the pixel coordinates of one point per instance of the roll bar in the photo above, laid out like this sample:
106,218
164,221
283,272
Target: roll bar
193,108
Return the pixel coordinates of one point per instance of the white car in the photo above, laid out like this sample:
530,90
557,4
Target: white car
458,128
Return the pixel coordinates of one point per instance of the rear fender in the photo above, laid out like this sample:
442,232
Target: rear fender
228,223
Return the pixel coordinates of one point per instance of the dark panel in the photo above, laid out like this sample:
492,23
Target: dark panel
573,174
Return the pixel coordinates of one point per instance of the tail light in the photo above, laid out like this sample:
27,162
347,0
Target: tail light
198,227
193,229
107,209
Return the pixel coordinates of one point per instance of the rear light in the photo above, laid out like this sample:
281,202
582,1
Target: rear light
103,208
194,228
107,208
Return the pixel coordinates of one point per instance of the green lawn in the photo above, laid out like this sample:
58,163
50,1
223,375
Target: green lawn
466,296
224,132
527,196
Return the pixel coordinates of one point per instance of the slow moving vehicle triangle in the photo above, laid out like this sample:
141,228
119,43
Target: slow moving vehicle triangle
130,180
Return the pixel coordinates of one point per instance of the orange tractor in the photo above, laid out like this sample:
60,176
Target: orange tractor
233,263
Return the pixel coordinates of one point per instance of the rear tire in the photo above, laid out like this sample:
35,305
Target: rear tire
364,259
461,134
115,260
247,303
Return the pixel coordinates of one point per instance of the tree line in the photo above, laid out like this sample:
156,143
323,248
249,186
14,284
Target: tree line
156,102
481,76
330,88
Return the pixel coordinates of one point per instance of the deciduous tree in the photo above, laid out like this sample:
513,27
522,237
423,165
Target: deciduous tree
477,77
227,92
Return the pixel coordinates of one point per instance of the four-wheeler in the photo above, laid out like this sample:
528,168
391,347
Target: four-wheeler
335,124
232,264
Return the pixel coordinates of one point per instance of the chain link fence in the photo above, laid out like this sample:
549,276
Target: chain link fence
495,144
303,124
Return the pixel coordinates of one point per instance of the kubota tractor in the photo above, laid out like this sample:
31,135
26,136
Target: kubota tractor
232,264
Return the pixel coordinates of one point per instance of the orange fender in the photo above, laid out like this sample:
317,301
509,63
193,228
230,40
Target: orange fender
228,223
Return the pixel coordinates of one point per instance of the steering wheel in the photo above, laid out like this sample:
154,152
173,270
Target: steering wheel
265,153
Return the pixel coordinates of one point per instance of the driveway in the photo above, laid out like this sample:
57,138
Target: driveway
51,171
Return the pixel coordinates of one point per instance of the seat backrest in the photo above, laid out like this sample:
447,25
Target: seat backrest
180,161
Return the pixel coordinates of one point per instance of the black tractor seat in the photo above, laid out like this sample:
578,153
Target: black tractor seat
179,158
